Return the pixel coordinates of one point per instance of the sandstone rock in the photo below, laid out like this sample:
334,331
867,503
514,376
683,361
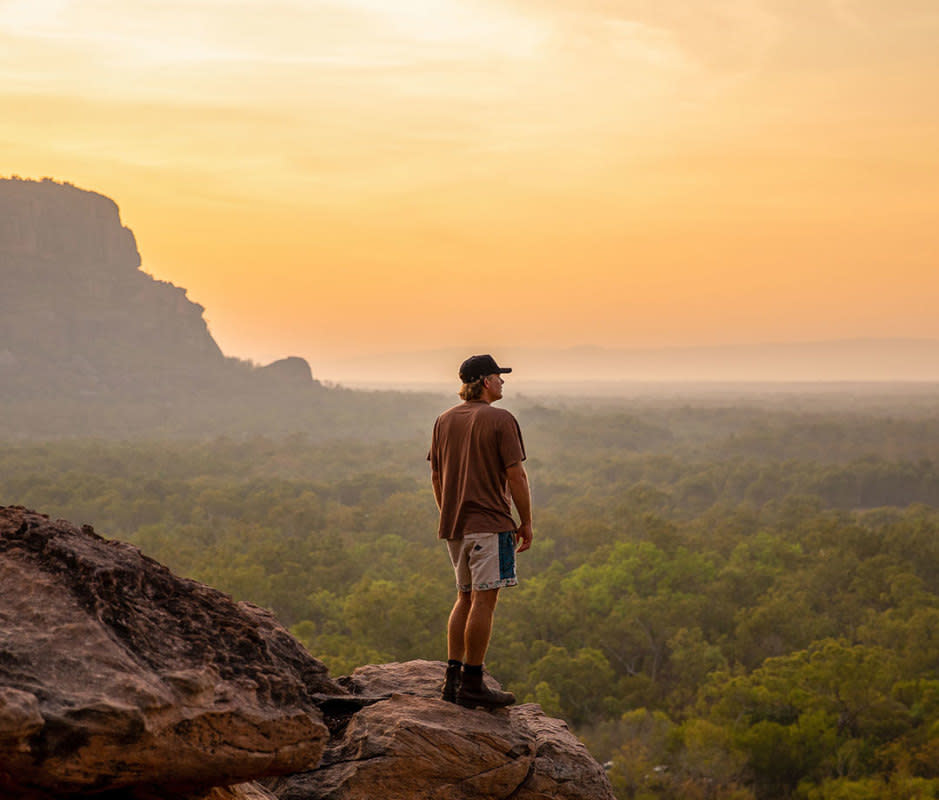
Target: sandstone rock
122,681
563,769
114,672
241,791
413,747
58,220
77,311
417,747
290,371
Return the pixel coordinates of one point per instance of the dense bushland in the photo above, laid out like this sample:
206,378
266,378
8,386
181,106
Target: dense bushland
725,601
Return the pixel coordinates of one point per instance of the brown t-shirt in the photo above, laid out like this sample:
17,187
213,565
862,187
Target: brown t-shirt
472,446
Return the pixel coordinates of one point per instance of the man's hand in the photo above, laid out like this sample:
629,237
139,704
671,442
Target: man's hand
521,496
523,537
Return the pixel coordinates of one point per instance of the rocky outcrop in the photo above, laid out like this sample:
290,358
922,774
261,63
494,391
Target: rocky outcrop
76,308
414,746
292,370
77,314
45,220
114,672
116,676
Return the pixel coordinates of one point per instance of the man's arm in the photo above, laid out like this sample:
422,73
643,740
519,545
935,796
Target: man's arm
521,496
438,490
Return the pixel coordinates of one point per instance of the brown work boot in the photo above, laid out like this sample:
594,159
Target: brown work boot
473,693
451,684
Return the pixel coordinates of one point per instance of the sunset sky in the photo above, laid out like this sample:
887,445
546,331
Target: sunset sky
338,178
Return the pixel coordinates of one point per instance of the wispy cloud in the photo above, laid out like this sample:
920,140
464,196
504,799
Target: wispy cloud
578,142
727,34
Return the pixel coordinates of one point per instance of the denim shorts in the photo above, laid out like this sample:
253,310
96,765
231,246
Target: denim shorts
483,561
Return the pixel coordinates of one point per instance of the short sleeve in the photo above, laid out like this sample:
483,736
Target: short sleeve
432,453
511,446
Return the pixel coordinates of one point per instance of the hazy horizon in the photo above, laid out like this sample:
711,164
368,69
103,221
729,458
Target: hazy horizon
612,371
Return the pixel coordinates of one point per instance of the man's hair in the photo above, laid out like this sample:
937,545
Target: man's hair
474,389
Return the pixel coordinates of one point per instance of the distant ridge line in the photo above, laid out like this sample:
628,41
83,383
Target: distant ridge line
836,360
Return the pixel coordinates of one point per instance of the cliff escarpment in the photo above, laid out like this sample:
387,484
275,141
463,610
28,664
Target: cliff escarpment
92,345
119,679
76,310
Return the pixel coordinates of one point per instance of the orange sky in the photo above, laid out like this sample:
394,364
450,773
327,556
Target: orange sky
356,176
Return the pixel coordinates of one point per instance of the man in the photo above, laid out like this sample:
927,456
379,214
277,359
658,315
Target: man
476,460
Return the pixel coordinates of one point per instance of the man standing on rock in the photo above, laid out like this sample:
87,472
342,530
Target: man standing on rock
476,466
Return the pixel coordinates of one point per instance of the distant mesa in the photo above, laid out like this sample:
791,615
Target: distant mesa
58,222
291,370
78,315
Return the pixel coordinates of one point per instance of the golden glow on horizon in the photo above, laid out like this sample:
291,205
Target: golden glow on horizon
364,175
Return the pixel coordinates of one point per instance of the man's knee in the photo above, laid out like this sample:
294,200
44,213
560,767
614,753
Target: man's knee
486,598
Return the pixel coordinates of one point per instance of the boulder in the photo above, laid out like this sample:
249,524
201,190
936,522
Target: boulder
290,371
417,747
114,672
241,791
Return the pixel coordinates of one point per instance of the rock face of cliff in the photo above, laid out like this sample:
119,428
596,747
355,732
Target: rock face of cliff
45,221
76,311
78,315
118,677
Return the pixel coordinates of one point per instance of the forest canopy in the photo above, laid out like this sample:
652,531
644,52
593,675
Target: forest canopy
730,598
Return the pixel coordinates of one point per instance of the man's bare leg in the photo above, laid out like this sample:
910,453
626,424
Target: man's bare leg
456,638
478,627
473,692
456,627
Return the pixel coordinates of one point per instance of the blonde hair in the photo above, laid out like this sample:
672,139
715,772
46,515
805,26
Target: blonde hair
474,389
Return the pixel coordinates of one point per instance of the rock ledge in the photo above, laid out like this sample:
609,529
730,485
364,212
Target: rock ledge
122,680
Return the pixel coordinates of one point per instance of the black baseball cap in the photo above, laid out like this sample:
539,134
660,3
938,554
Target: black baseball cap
475,367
